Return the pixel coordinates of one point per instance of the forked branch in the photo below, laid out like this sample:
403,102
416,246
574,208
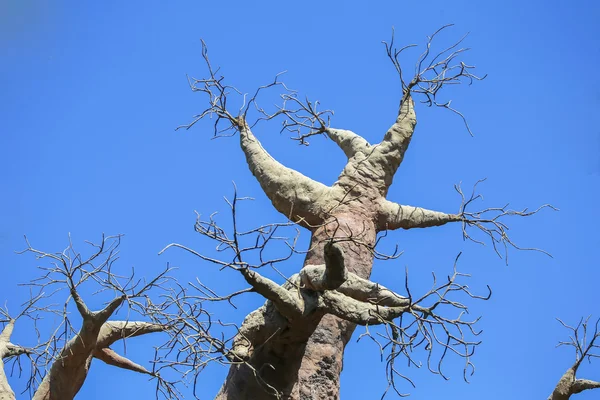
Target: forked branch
433,71
74,344
584,340
490,221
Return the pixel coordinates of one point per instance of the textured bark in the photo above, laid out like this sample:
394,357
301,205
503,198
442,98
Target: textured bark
6,393
569,385
294,344
294,195
396,216
68,373
7,349
304,353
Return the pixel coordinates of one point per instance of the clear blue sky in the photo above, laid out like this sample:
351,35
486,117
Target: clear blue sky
92,91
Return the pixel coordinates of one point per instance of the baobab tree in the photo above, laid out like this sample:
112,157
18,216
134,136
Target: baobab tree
293,346
61,362
302,330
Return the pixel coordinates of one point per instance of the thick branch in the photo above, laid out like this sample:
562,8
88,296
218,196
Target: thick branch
568,385
103,315
395,216
389,153
358,312
112,331
8,350
348,141
84,311
13,350
584,384
562,391
294,195
7,331
111,358
6,393
364,290
68,373
286,304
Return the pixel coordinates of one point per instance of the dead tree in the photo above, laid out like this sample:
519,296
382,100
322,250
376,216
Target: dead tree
583,340
293,346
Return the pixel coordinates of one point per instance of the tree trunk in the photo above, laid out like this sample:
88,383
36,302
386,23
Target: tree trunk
304,361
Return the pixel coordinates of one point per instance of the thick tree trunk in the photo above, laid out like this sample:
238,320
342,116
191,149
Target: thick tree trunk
300,356
304,360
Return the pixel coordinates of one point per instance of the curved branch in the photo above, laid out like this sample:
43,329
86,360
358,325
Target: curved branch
434,71
6,392
110,357
296,196
358,312
7,331
103,315
388,154
112,331
355,287
584,384
283,300
348,141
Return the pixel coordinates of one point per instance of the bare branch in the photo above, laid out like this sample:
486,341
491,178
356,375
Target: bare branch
421,323
490,221
68,349
434,71
296,196
584,384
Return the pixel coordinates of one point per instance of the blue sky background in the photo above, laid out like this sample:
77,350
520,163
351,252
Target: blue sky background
92,91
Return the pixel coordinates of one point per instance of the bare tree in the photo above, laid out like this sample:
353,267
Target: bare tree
62,360
293,346
583,340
